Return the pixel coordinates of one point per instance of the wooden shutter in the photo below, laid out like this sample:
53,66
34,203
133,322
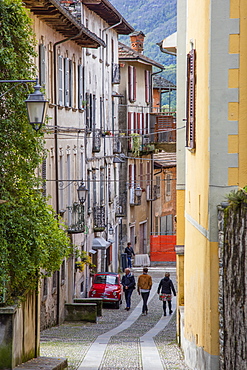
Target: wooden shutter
134,83
42,65
139,123
191,91
130,82
129,130
80,86
147,87
130,175
66,82
60,80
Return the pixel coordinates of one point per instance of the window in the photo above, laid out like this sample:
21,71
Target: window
191,96
132,83
147,87
167,225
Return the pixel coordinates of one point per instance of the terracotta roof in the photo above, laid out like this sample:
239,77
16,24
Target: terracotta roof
160,82
125,53
57,17
164,159
110,14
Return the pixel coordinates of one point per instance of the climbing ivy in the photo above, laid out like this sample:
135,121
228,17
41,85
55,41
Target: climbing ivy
32,237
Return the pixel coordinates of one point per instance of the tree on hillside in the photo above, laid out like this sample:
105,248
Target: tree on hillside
31,237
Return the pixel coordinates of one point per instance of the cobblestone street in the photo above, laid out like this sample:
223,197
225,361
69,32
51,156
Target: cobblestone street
123,350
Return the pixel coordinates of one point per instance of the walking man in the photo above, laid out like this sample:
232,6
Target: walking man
129,251
128,282
144,286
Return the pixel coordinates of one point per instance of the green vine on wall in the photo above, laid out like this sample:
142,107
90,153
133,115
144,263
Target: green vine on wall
136,144
32,237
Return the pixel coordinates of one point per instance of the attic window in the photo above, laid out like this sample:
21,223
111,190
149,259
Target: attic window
191,97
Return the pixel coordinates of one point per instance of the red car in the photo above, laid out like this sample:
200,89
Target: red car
106,285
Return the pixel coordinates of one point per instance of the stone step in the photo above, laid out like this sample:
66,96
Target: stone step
44,363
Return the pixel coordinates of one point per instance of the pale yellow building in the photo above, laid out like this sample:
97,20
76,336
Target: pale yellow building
211,159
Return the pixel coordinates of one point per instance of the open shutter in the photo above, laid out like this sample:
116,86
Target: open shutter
80,86
191,84
130,82
60,80
66,82
134,83
42,65
147,87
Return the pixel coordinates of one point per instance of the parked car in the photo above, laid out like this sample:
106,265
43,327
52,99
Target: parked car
106,285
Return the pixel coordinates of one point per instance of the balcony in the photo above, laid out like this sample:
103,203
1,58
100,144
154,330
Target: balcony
99,218
76,222
163,129
96,141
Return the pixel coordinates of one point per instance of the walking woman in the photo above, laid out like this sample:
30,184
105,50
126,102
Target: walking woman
166,286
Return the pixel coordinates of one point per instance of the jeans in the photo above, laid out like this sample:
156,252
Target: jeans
128,293
145,299
129,261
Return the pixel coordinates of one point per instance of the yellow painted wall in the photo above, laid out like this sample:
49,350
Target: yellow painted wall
241,6
201,257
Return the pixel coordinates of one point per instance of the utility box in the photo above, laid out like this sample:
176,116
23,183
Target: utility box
124,261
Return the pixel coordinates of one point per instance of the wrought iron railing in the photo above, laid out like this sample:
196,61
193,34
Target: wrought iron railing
99,218
96,140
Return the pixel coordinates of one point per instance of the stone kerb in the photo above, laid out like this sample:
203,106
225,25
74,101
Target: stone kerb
98,301
81,312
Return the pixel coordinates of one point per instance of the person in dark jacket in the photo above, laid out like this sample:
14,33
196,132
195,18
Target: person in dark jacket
166,286
128,282
129,251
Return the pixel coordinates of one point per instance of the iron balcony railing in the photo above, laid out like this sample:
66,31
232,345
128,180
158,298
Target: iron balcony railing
99,218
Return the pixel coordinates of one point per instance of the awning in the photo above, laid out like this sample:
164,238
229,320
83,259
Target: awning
100,243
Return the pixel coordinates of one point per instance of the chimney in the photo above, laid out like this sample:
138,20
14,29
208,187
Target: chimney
137,40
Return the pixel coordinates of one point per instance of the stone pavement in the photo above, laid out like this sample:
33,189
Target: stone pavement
120,339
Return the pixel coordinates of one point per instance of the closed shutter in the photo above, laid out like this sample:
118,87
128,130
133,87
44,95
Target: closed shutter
129,130
191,85
130,175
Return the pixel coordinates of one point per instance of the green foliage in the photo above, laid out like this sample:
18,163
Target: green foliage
237,198
31,236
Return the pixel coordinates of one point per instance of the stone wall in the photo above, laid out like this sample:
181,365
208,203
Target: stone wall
232,222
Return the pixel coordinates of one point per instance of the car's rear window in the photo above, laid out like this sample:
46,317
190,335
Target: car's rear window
105,279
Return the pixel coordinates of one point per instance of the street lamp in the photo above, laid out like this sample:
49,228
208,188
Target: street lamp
82,193
110,230
138,191
36,108
36,103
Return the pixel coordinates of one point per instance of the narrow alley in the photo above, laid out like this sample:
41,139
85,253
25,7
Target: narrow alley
121,339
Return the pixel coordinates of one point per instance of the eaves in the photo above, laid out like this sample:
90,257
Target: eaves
57,17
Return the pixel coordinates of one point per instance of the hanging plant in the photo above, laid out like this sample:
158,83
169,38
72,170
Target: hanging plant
85,259
136,143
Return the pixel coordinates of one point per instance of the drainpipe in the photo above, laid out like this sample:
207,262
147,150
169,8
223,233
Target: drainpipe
56,149
103,109
165,51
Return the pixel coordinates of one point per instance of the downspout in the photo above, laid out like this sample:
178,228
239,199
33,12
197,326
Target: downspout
103,108
165,51
56,149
